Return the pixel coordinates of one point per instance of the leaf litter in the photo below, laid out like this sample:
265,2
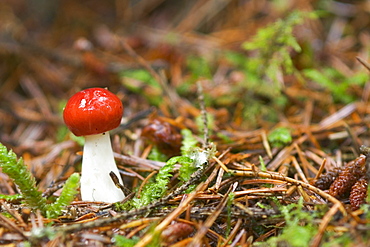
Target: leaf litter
263,141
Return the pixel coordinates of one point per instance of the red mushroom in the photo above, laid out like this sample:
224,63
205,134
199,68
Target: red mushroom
92,113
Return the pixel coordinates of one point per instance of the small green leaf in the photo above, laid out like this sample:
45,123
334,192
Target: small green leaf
122,241
280,137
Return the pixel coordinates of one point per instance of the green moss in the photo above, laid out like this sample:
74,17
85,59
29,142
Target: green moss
142,82
188,141
336,83
280,137
298,222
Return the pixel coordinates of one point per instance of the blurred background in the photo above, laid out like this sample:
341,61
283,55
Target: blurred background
50,49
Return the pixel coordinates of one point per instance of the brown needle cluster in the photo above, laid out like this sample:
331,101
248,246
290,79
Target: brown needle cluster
324,181
347,182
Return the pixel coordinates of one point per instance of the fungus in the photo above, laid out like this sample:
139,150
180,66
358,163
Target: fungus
92,113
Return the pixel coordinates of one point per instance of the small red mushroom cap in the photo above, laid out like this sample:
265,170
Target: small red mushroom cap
92,111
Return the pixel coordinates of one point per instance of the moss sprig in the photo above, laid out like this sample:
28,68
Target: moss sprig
10,197
22,177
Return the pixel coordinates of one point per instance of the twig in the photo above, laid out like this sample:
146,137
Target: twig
197,240
221,164
137,161
299,170
278,176
321,169
203,112
196,176
364,63
172,95
355,140
158,229
266,144
285,153
7,223
235,230
120,186
338,115
324,223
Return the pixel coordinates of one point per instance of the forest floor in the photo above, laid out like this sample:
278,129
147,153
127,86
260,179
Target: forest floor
245,122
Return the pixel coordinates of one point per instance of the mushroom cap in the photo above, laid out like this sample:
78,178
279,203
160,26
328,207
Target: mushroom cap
92,111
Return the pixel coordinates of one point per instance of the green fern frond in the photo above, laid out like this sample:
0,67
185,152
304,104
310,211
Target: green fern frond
192,159
11,197
156,189
22,177
69,191
19,173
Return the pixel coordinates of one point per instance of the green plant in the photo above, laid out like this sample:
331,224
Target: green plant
336,83
142,82
10,197
122,241
270,58
262,164
338,240
187,166
66,197
199,67
157,188
26,183
230,200
274,44
190,161
188,141
279,137
156,155
298,222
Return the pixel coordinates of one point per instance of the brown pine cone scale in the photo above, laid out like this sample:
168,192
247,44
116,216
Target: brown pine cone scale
325,180
358,193
352,172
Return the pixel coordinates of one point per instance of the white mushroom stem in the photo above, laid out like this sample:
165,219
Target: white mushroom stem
97,162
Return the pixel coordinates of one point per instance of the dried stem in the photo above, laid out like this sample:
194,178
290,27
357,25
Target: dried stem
203,112
278,176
